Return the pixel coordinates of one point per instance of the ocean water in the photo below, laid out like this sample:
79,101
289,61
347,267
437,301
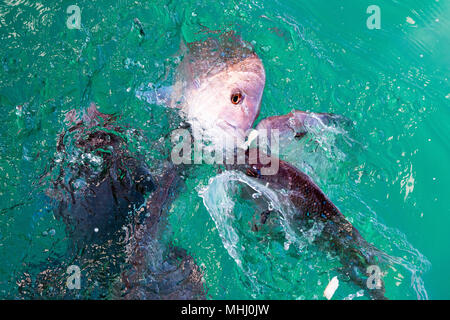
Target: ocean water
387,172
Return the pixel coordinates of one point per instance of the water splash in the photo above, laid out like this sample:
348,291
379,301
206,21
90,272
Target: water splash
252,247
254,252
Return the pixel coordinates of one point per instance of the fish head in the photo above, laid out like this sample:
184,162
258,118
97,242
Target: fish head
224,88
231,99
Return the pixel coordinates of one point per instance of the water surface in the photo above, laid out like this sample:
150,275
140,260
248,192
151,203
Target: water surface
391,181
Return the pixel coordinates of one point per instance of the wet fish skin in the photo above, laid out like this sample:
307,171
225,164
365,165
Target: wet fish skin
97,213
176,276
338,234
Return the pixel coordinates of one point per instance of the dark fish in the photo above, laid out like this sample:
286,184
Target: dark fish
113,208
338,234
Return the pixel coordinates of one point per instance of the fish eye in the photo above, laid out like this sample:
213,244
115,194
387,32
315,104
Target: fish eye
236,98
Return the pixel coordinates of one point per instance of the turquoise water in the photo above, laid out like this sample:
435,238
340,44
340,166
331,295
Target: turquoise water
390,180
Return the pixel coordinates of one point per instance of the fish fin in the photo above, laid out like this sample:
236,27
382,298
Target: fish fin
158,96
183,49
163,95
297,122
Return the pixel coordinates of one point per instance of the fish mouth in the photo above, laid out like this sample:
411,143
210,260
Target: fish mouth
239,133
228,127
